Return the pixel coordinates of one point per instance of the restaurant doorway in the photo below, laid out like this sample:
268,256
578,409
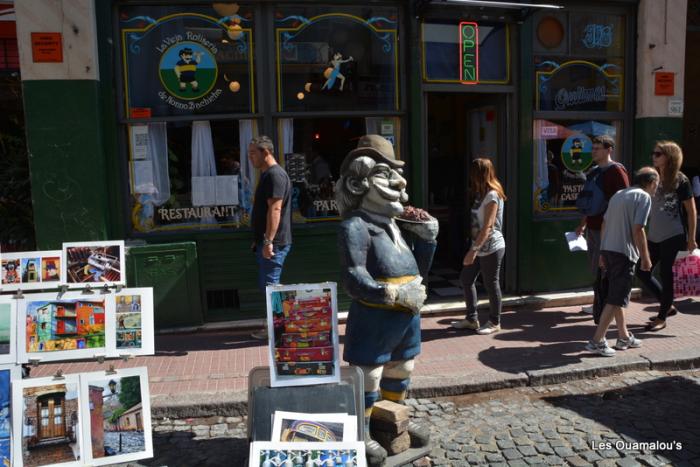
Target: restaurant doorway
461,127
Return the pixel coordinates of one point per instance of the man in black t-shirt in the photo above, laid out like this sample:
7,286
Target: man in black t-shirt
272,215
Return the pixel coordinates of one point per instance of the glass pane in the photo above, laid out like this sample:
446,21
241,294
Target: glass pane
441,49
562,157
597,35
187,60
190,175
337,58
44,422
313,155
573,85
57,420
44,412
58,410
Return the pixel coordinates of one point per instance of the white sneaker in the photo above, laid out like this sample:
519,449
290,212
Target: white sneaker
488,328
600,348
587,309
630,343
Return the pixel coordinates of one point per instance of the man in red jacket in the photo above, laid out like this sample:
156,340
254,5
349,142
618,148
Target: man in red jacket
614,179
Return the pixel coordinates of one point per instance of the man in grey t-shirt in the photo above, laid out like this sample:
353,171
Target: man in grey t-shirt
623,242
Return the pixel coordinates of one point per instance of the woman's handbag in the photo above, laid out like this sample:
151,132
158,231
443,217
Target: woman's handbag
686,274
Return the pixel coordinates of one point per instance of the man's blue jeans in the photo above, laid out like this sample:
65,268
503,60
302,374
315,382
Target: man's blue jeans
270,270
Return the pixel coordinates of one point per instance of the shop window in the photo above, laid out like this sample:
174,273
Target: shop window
441,52
313,151
190,175
562,157
337,59
187,60
597,35
575,85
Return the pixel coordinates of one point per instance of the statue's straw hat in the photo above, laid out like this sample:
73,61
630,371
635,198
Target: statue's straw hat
375,146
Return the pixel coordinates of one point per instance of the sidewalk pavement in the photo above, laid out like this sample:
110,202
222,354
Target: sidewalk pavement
204,373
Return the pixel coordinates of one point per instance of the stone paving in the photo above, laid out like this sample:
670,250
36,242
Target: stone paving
640,418
647,418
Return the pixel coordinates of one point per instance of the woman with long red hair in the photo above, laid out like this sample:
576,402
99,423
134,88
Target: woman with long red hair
487,246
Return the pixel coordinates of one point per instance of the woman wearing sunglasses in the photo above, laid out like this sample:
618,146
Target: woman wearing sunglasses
672,226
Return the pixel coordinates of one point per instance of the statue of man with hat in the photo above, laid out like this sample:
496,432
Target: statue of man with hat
381,274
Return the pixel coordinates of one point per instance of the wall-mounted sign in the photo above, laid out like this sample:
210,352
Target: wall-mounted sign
47,47
675,107
181,60
664,83
469,52
579,85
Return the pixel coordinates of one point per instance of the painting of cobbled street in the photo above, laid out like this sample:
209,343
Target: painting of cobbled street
116,416
129,330
67,324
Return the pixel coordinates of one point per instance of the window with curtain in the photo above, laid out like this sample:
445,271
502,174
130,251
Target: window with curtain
337,58
191,175
314,149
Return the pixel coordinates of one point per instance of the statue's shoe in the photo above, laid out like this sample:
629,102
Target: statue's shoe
420,435
375,453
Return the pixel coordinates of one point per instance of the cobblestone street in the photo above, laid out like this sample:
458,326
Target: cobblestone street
645,418
639,418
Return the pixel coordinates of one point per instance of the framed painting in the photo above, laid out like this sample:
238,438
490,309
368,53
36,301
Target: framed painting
93,263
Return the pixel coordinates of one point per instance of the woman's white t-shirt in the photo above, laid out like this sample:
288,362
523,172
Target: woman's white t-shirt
478,214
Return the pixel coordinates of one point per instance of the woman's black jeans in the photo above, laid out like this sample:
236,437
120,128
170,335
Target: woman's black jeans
664,254
490,268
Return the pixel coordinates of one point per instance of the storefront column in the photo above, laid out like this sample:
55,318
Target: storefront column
660,49
60,80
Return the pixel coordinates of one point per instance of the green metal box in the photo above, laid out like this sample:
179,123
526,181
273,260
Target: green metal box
173,272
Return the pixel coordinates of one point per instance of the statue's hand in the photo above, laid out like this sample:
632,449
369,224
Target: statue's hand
411,295
428,231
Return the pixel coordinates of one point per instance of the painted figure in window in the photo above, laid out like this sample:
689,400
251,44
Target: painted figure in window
333,72
575,151
186,69
382,274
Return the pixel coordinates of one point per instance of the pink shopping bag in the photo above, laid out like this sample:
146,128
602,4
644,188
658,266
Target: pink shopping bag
686,274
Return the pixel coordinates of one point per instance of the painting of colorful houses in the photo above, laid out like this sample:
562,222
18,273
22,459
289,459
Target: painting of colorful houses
117,424
50,424
66,324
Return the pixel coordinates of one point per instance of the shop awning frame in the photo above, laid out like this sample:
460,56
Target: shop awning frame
495,4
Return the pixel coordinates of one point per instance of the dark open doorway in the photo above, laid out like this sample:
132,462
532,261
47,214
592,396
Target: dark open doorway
461,127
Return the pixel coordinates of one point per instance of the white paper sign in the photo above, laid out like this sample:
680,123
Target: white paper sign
576,242
675,107
227,190
549,132
139,142
203,191
143,177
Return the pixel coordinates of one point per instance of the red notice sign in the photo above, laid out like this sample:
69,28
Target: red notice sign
664,83
47,47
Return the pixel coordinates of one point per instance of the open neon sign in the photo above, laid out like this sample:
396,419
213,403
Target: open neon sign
468,52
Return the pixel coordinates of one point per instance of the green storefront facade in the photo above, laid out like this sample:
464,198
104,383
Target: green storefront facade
150,150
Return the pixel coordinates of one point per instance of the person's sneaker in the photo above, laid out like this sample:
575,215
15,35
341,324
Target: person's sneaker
466,324
489,328
601,348
259,335
587,309
630,343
